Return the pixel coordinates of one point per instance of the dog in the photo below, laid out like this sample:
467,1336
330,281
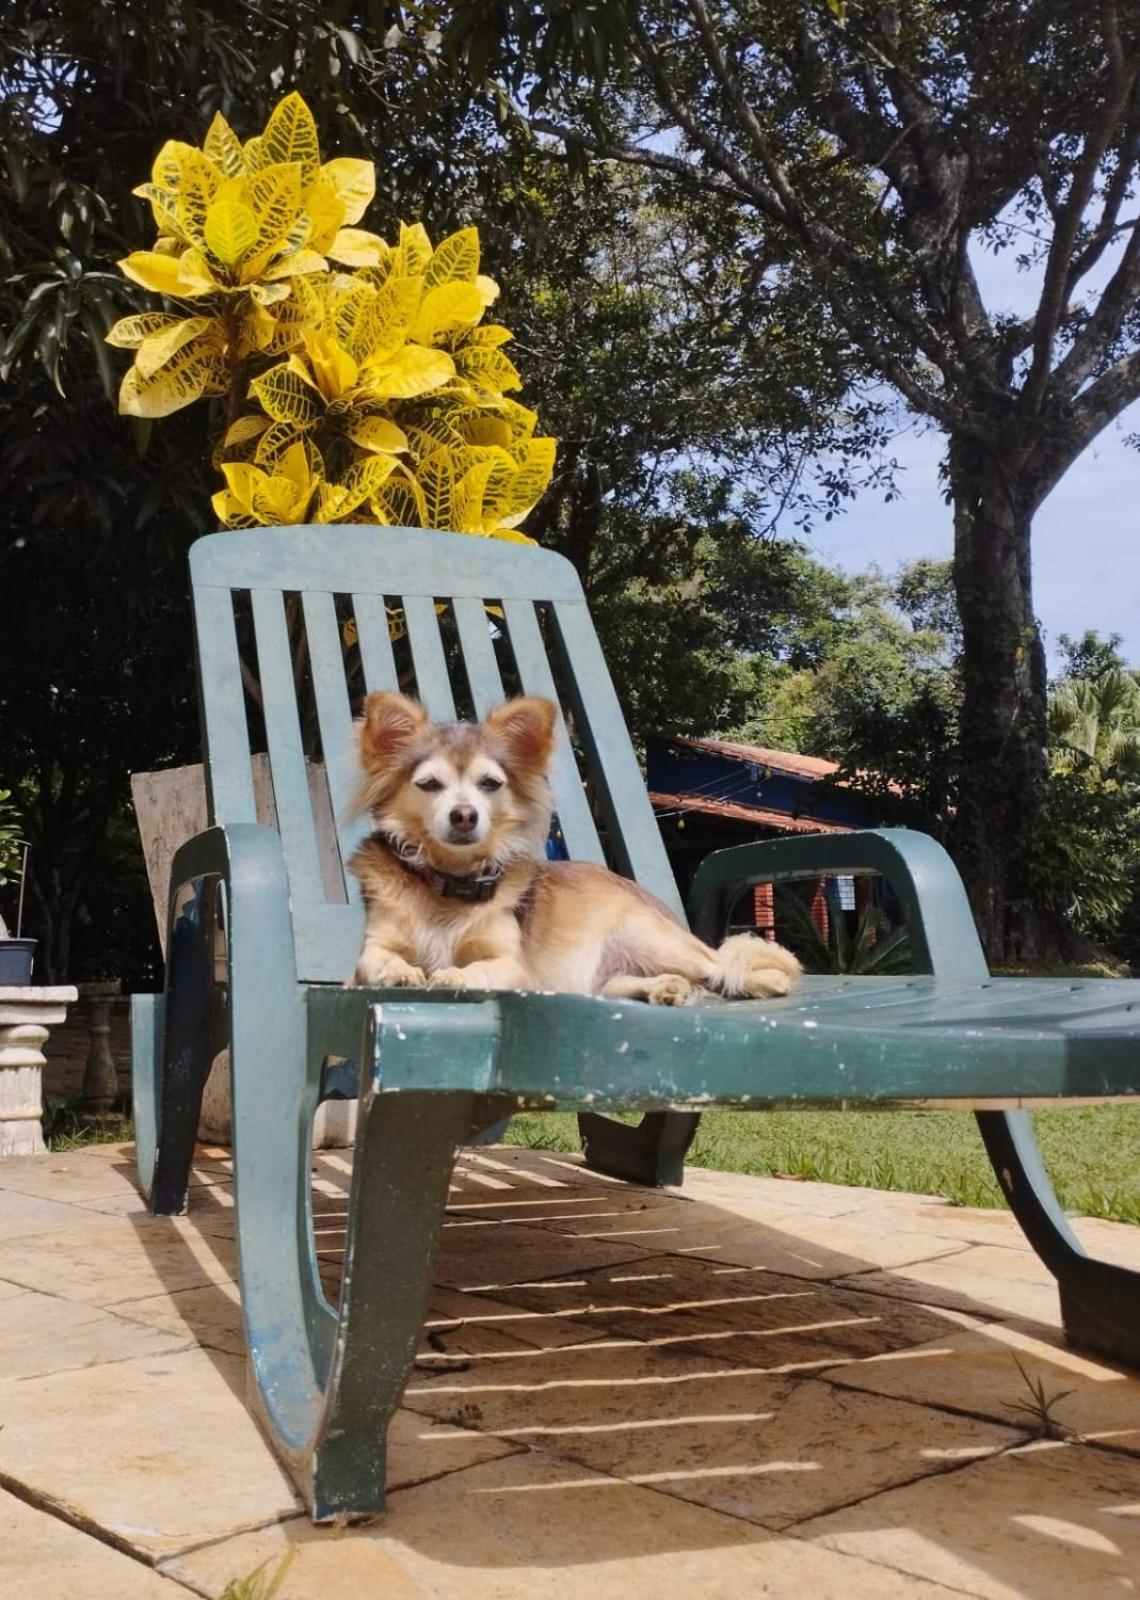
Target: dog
458,892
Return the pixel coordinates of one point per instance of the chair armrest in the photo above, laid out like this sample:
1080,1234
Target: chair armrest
942,932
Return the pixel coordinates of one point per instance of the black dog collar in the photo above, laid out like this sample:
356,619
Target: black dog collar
478,885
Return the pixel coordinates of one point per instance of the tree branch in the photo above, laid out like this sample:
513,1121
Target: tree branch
1121,77
1100,404
1094,341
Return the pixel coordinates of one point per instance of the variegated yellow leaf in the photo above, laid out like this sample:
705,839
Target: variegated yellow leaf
291,135
488,367
194,371
198,184
277,438
230,231
171,163
490,333
164,209
195,276
243,430
489,289
446,309
153,271
325,214
223,147
379,434
400,503
356,248
413,251
364,479
436,476
384,319
270,294
531,481
159,348
413,370
274,196
287,394
296,265
455,259
353,182
129,332
333,369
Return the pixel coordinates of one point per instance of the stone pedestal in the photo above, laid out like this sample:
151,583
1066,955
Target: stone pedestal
26,1015
100,1093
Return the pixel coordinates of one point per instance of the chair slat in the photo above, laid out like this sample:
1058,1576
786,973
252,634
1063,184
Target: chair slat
375,642
578,828
286,752
229,775
478,654
432,683
326,660
629,815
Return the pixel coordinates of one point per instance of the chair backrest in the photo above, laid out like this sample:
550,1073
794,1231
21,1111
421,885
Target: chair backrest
320,606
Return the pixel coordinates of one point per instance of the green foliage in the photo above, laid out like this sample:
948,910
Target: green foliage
872,948
1090,848
260,1584
11,837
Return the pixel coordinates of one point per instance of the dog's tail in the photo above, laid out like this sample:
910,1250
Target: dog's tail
745,966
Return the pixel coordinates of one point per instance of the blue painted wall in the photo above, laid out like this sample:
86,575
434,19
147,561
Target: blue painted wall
676,769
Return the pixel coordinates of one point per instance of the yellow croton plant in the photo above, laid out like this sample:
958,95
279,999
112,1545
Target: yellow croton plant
361,381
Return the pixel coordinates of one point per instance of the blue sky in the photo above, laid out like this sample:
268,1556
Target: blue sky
1086,542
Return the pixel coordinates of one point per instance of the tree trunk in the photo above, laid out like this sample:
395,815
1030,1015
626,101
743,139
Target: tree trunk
1004,771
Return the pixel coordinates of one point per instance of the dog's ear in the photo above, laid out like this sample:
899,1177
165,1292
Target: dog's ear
526,728
391,723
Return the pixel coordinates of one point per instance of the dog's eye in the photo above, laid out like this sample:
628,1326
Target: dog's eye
429,785
490,784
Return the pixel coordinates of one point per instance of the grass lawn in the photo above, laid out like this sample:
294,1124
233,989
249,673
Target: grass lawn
1093,1154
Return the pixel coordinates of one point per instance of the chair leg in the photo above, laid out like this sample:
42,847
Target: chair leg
175,1092
652,1153
405,1151
148,1013
1100,1302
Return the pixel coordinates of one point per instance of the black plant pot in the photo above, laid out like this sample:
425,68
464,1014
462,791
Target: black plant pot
16,957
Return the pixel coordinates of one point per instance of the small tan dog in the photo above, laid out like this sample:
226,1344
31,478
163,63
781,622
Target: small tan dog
459,894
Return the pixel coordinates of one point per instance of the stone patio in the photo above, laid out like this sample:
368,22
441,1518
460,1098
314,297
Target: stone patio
756,1387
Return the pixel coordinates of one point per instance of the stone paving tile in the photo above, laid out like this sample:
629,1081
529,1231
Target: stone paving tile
487,1260
41,1334
771,1450
984,1280
163,1453
43,1558
740,1314
68,1177
209,1205
22,1215
1051,1521
499,1325
976,1372
804,1246
108,1260
533,1528
210,1315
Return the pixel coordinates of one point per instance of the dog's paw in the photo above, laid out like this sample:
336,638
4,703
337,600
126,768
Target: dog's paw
754,968
765,983
669,990
386,972
448,978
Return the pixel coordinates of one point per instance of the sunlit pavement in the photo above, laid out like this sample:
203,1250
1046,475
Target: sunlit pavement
749,1387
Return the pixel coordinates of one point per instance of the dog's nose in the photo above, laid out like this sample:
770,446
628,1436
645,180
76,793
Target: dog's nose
463,818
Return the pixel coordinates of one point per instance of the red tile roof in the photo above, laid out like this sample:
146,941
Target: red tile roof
725,808
779,760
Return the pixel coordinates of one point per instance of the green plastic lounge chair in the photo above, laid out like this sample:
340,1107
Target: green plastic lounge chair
262,934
